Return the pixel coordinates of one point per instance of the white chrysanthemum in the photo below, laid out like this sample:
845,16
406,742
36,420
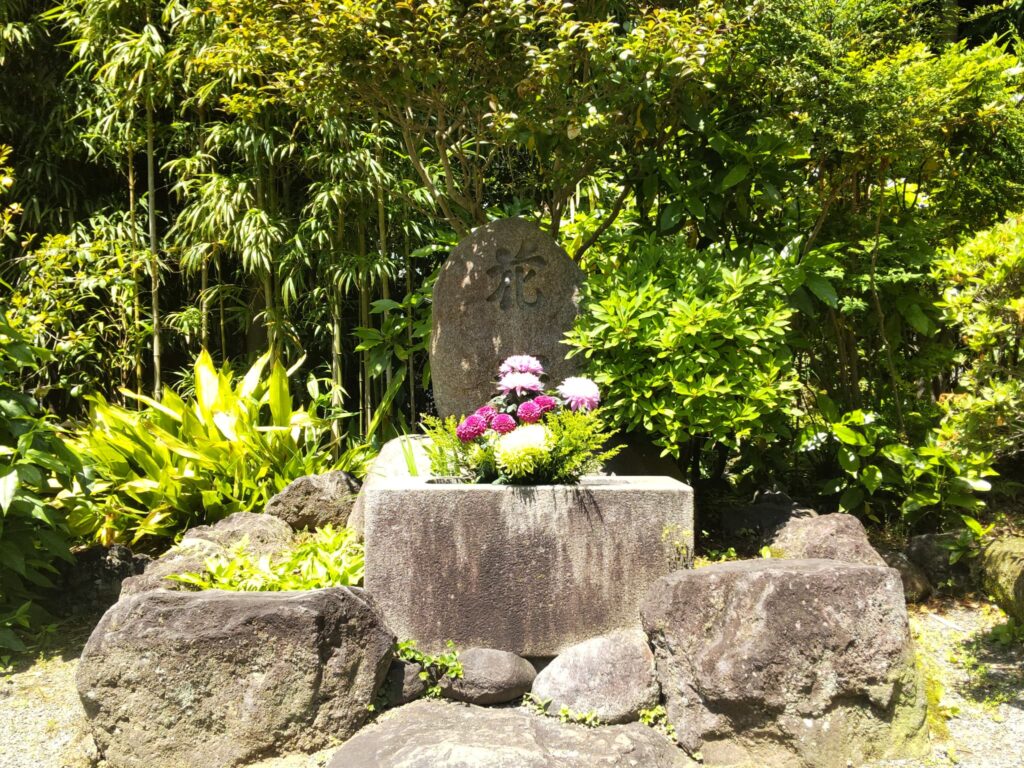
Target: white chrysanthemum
523,449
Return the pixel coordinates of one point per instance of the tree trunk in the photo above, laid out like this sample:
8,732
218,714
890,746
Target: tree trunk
136,282
154,255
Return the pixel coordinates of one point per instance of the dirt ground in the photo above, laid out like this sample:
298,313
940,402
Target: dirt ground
974,676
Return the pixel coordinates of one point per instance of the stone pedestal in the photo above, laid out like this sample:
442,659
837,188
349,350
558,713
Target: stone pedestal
527,569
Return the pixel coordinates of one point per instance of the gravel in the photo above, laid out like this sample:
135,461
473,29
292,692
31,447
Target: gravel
976,685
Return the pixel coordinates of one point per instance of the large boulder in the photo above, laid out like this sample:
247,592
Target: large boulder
931,551
828,537
1002,564
489,676
436,734
314,501
262,534
787,663
506,289
217,679
611,676
916,587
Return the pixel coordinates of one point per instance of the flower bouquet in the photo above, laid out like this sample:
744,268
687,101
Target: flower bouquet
525,435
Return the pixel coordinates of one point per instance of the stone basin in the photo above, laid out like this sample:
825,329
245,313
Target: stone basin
526,569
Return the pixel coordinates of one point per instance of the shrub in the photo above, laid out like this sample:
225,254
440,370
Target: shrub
326,558
177,463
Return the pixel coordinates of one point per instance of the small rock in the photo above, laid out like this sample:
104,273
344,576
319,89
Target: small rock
1002,564
931,552
264,535
93,582
829,537
403,683
611,676
489,676
916,587
314,501
438,734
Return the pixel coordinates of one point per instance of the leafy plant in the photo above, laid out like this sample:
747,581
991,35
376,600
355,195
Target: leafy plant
177,463
432,668
656,717
328,557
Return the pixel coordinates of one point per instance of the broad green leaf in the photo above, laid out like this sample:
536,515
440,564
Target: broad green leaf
871,477
847,435
851,499
8,487
823,289
735,175
280,396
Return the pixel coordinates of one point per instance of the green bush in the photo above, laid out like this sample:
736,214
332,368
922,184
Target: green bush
688,348
34,465
177,463
326,558
984,300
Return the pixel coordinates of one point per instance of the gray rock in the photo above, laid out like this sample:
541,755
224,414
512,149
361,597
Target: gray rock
829,537
787,663
1002,564
437,734
314,501
611,676
931,551
92,582
264,535
760,521
507,289
171,679
489,676
403,683
526,569
916,587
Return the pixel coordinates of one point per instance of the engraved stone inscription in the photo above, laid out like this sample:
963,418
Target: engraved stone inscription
514,271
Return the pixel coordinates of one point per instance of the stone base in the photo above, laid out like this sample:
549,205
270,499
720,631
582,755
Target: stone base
526,569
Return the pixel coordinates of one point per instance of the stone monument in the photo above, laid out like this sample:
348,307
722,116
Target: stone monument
507,289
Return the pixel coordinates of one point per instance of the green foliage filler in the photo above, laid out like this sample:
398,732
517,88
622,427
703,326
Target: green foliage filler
178,463
690,349
432,668
328,557
34,465
984,300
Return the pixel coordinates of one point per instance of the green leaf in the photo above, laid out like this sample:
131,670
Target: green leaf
871,477
851,499
280,396
847,435
823,289
8,487
848,460
735,175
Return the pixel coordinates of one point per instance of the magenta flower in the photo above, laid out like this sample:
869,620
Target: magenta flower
579,393
519,382
487,413
546,403
529,412
502,423
521,364
471,428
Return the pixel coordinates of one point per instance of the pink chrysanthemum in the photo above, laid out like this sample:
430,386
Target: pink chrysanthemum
521,364
519,382
487,413
502,423
546,403
471,428
579,393
529,412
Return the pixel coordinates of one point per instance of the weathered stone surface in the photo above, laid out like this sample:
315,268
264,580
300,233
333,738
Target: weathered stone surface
264,534
787,663
489,676
829,537
526,569
92,583
931,552
403,683
916,587
436,734
216,679
316,500
507,289
612,676
1002,564
760,521
392,462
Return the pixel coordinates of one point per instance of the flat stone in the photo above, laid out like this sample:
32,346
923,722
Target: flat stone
403,683
828,537
437,734
507,289
611,676
172,679
1002,564
787,663
489,676
263,534
314,501
916,587
526,569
